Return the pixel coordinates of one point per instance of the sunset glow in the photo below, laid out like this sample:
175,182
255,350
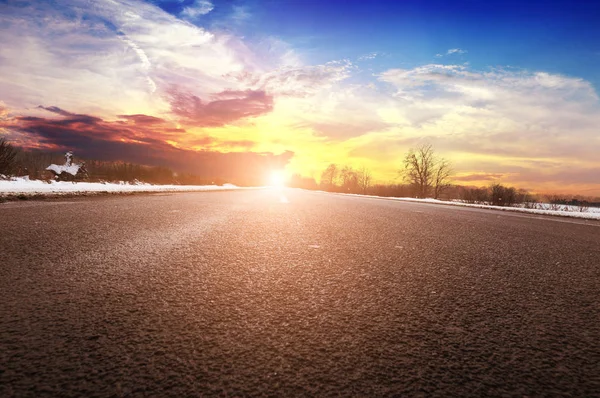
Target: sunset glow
213,86
277,178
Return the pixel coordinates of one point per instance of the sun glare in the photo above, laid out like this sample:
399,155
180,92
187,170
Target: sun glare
277,178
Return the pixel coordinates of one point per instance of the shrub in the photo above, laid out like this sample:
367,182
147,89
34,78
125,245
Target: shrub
7,157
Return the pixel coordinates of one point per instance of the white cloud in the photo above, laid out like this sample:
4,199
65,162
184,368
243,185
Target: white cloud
369,56
197,9
111,57
451,52
299,80
240,14
456,51
504,112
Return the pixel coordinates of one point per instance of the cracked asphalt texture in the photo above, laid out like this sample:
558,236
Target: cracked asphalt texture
294,293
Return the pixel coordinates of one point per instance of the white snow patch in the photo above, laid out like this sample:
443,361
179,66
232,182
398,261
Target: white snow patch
23,185
72,169
593,213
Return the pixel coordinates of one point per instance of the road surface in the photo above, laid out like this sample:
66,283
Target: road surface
294,293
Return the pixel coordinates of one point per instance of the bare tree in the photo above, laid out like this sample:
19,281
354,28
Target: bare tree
7,157
425,171
441,178
348,179
329,176
364,179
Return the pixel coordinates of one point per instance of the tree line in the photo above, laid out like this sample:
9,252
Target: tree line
33,163
423,175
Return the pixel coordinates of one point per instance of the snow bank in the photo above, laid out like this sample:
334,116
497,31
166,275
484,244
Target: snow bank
23,185
593,213
72,169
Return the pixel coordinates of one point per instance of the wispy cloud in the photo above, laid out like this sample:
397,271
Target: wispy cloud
297,81
369,56
478,177
456,51
143,59
197,9
240,14
113,58
452,51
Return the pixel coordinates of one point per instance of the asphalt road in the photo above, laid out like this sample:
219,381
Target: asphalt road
293,293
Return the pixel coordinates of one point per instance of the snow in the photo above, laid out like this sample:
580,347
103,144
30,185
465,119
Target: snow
23,185
63,168
593,213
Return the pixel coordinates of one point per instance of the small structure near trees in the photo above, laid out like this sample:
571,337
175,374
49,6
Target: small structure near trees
68,171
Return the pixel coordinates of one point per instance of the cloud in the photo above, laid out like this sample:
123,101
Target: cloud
451,51
225,108
297,81
197,9
143,59
456,51
369,56
117,57
239,14
3,111
478,177
140,139
500,99
348,128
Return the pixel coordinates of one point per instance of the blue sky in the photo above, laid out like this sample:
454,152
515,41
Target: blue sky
555,36
508,91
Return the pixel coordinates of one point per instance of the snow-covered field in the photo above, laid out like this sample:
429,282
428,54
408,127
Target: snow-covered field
592,213
23,185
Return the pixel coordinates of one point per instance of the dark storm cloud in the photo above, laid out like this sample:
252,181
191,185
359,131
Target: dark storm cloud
226,107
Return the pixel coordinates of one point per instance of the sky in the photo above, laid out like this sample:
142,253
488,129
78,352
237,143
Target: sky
507,91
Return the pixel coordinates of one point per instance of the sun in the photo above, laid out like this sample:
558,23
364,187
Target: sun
277,178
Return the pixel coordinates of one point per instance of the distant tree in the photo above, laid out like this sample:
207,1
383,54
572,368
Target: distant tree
425,171
474,195
329,177
441,178
364,180
502,196
8,153
348,179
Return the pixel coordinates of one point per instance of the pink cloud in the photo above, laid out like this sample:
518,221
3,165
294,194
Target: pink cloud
226,107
